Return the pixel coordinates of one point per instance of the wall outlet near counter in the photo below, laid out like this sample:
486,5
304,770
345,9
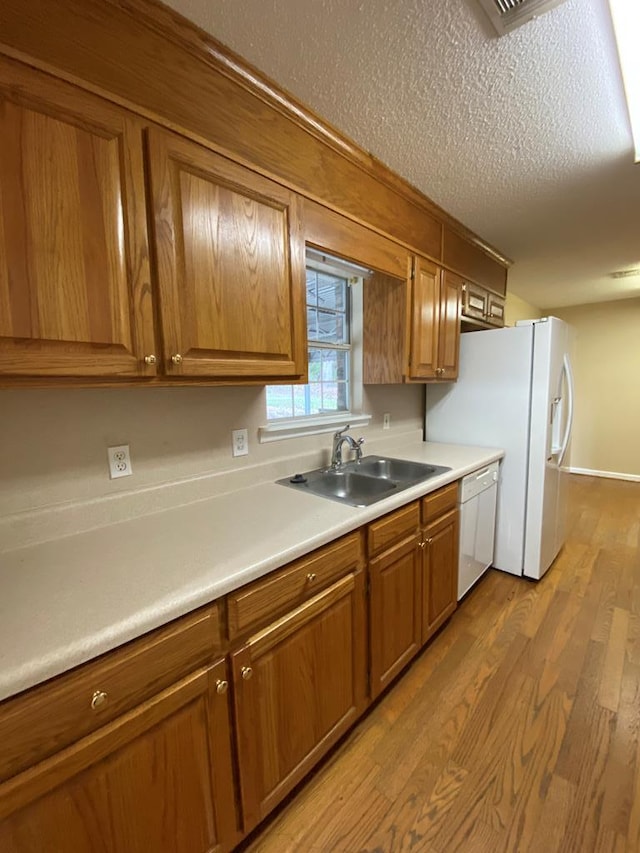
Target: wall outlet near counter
240,442
386,420
119,461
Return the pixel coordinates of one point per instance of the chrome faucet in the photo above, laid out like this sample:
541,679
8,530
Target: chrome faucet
338,440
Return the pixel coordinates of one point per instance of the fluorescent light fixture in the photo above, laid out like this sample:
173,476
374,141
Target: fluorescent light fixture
626,25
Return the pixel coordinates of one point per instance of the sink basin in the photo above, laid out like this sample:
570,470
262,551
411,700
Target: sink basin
365,482
348,485
398,469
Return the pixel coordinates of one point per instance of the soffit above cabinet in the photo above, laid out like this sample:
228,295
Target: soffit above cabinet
523,138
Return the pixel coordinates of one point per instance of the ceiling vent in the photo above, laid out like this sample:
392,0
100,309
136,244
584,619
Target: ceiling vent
506,15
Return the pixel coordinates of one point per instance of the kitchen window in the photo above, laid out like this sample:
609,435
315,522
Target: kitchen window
332,372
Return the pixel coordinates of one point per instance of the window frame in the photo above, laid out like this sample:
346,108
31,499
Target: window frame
314,424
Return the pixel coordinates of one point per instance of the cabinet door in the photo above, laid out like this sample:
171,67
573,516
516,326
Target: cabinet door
495,310
449,328
424,320
158,778
440,572
395,605
74,275
230,263
299,685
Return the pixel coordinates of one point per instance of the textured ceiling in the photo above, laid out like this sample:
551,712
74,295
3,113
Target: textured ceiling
524,138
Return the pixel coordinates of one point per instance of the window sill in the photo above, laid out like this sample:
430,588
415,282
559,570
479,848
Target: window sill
279,430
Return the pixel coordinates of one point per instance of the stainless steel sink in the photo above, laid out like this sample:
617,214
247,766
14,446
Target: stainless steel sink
365,482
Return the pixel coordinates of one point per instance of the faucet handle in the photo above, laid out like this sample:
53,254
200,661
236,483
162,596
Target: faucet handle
359,444
342,431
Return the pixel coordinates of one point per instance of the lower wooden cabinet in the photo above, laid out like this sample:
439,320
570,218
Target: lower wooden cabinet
440,572
440,533
299,684
395,596
158,778
137,751
413,570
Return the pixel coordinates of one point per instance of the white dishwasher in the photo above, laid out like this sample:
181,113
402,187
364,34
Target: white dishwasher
478,495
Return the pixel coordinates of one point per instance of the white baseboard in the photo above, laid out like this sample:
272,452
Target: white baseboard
612,475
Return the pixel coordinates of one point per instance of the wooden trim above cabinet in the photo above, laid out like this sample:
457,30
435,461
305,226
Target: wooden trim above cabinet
470,260
143,54
337,235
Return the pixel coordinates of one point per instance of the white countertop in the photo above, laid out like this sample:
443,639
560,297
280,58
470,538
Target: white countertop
66,601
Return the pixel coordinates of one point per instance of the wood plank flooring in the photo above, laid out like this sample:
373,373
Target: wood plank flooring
516,730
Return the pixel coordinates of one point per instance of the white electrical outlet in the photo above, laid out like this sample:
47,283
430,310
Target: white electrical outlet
119,461
386,420
240,442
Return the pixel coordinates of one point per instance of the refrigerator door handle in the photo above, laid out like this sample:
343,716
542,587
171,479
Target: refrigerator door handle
566,367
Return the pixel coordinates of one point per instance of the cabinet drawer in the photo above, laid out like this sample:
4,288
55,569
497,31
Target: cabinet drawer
438,502
474,301
275,594
47,718
393,527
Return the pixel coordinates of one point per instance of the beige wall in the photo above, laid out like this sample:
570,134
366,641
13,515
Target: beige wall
53,442
517,309
606,361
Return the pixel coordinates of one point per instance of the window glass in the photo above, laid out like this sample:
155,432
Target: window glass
329,336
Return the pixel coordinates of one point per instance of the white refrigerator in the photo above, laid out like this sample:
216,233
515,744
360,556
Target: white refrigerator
515,391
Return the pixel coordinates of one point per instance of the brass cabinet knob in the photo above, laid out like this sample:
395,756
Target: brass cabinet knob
246,672
150,359
98,699
421,544
177,358
428,541
311,577
222,686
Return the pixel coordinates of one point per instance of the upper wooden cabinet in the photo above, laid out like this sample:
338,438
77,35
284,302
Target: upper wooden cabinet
481,309
411,329
229,251
74,275
425,315
449,325
435,327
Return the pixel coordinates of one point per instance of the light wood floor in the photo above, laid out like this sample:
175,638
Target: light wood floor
517,729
